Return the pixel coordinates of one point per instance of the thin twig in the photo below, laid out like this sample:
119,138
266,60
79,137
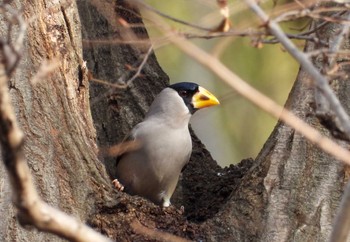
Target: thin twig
139,69
261,100
102,42
342,224
127,36
106,83
320,81
297,37
150,8
257,98
121,83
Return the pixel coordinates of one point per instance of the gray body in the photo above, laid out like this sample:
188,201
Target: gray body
153,170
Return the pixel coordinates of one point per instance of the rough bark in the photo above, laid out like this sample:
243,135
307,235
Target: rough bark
54,113
116,110
293,190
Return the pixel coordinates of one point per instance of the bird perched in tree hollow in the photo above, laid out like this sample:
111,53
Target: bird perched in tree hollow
152,169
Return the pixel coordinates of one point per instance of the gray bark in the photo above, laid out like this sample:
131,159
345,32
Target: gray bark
54,114
293,190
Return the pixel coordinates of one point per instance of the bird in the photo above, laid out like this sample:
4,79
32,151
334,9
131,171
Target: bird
152,169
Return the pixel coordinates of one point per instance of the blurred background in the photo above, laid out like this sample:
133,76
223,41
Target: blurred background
236,129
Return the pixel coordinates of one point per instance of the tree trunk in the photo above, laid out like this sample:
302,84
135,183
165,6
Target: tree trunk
54,113
289,193
294,189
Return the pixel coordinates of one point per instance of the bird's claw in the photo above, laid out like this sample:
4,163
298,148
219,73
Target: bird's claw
182,210
118,185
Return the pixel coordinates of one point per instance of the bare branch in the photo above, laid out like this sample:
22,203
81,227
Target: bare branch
150,8
121,83
100,42
320,81
139,69
257,98
32,210
263,101
342,224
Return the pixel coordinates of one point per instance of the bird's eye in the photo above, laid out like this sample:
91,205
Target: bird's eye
183,93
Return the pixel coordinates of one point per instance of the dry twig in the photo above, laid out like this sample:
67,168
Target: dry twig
150,8
261,100
257,98
320,81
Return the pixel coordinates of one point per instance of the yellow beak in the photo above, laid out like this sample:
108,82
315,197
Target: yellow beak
203,98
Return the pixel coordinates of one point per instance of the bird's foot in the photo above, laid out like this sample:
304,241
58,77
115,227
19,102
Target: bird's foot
118,185
166,203
182,210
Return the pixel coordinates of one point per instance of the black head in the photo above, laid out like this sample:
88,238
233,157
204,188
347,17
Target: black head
186,90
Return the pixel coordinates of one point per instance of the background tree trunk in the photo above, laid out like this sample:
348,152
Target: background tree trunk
290,192
117,110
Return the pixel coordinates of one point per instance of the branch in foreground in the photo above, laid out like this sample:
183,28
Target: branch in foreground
319,80
32,210
150,8
253,95
259,99
277,111
342,222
